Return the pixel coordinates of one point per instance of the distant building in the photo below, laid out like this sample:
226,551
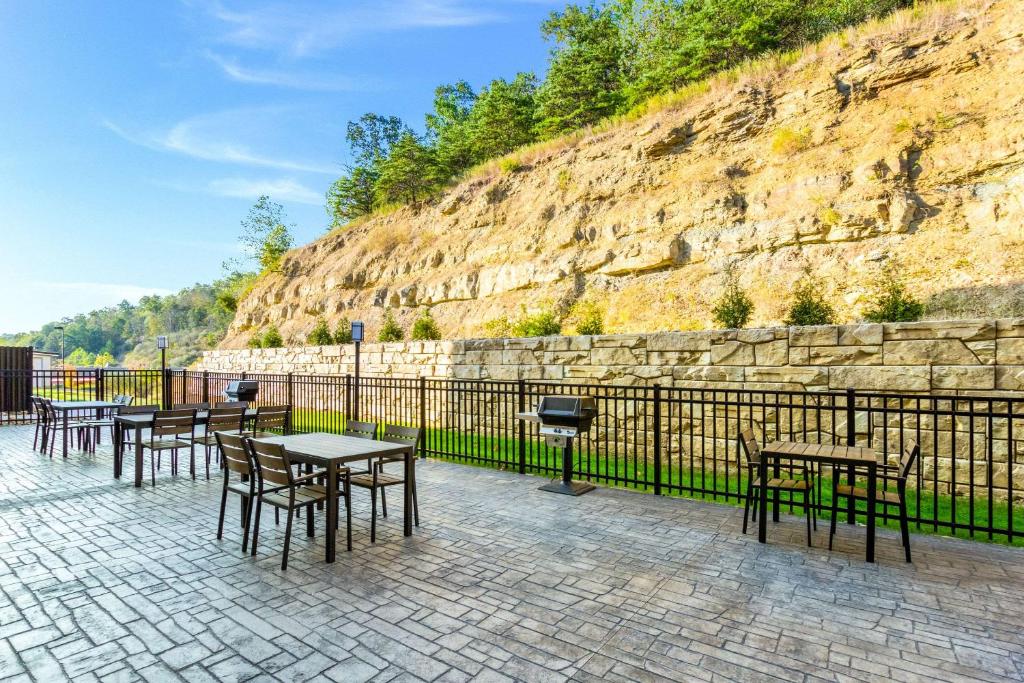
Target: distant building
45,360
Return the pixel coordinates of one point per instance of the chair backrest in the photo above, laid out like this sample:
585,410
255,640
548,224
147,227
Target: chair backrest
361,430
124,399
271,417
137,410
225,420
190,406
48,410
174,422
272,463
234,453
408,436
231,404
910,453
750,446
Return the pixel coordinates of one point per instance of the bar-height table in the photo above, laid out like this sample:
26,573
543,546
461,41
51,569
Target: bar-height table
331,450
65,407
137,422
846,457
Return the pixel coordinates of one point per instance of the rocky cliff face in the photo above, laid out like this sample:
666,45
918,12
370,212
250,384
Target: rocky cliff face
900,142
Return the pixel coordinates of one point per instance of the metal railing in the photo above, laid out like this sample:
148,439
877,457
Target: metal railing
968,481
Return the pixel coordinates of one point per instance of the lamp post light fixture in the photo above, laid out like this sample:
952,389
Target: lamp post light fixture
357,337
161,343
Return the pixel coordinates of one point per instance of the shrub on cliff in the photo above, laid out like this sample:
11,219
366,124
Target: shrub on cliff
809,306
272,338
321,334
589,317
541,324
892,303
734,307
425,328
343,333
390,331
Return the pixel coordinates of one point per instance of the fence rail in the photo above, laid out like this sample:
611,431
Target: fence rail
667,440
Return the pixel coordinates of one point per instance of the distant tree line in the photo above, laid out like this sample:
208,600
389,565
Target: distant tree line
605,59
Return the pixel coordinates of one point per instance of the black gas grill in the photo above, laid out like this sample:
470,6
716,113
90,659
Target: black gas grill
562,419
242,390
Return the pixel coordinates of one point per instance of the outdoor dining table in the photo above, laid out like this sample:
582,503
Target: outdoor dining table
846,457
137,422
331,450
65,407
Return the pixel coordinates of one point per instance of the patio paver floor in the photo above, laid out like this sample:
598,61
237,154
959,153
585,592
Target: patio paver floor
101,581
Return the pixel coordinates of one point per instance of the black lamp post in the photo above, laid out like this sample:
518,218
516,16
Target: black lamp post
161,343
357,337
61,328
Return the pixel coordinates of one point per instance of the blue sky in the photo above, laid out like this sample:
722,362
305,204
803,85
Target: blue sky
134,136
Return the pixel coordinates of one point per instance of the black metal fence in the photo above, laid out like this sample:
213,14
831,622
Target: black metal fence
667,440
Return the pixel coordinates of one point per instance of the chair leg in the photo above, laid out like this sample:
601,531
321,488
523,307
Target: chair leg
835,510
192,462
348,514
256,526
287,539
220,519
905,528
384,501
807,513
746,507
247,507
415,506
153,458
814,506
373,514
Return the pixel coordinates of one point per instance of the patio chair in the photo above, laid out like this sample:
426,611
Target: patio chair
803,484
39,418
361,430
279,487
898,498
191,406
126,435
270,418
172,430
244,405
55,424
236,458
219,420
379,479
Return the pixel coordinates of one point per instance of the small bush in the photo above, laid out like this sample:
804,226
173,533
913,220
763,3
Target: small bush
564,179
542,324
499,327
425,328
809,306
321,334
589,317
343,333
272,338
390,331
788,141
734,307
255,342
510,165
892,303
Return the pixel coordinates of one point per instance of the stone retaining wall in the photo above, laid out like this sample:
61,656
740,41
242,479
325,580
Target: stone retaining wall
963,356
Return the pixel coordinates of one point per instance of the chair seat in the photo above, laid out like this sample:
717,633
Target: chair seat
262,435
163,445
383,479
785,484
239,487
304,495
889,497
98,423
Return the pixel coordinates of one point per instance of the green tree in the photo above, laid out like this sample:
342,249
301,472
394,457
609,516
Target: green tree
425,328
409,174
734,308
272,338
504,116
265,237
370,140
103,359
351,195
255,342
891,302
583,81
390,331
809,306
448,128
320,335
343,333
589,317
79,357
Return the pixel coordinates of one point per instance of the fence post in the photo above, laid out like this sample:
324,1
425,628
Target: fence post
99,384
206,386
851,440
290,400
348,396
165,390
423,417
657,439
521,407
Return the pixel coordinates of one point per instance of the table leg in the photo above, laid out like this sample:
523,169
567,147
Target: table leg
407,490
762,494
776,472
138,457
332,509
64,432
117,450
872,486
851,506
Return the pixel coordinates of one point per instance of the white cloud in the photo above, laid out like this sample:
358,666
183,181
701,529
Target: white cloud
287,79
209,137
302,28
280,189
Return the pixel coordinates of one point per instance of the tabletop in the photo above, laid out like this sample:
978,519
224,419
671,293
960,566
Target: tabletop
819,451
323,447
82,405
